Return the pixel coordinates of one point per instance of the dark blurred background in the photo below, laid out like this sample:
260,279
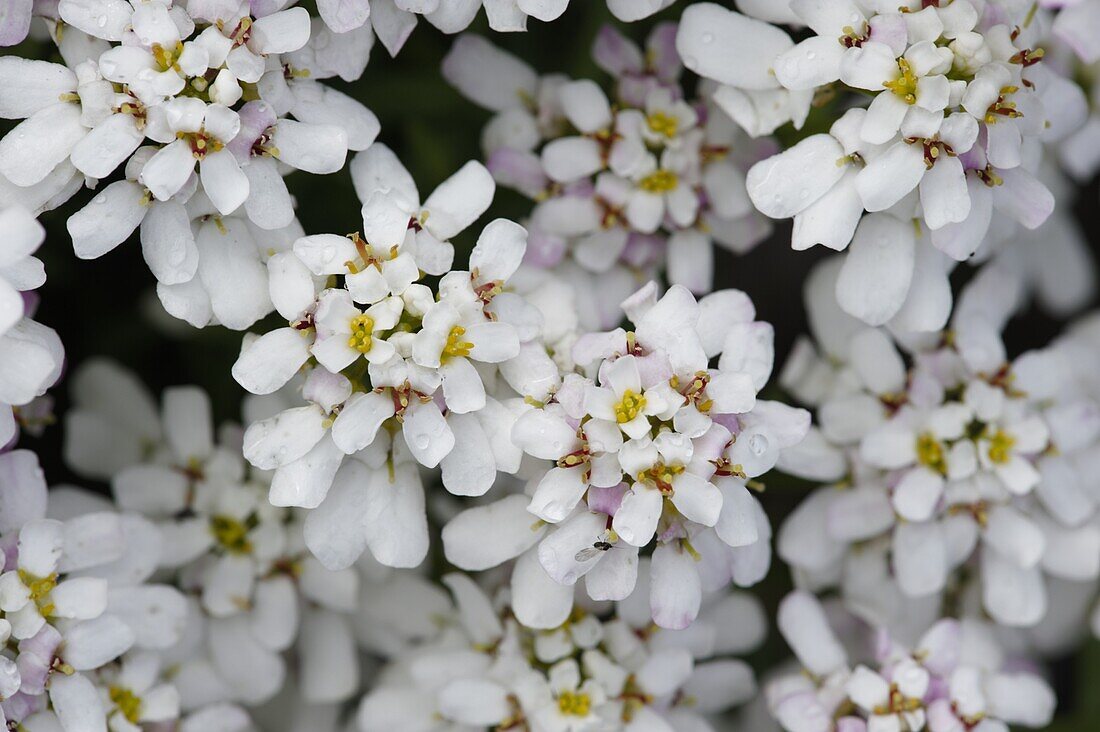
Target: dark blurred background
108,307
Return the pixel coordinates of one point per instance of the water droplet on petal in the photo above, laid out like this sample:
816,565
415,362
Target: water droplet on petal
708,38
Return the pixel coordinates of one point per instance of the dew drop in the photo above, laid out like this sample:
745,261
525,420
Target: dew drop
708,38
422,442
101,21
758,444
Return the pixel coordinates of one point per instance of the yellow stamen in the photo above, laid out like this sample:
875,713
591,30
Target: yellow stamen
231,534
1000,447
663,124
40,589
455,345
127,703
659,181
574,704
362,333
930,453
661,475
167,58
629,407
905,86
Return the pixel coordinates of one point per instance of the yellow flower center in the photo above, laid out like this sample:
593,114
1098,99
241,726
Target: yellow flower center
659,181
1000,447
127,703
661,475
930,453
574,704
362,331
629,407
455,345
40,589
167,58
231,534
663,124
201,143
898,703
905,86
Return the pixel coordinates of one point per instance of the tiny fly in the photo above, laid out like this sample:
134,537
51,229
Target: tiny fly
588,552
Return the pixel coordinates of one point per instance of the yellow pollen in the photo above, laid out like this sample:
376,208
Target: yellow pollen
167,59
362,332
1000,447
898,703
629,407
663,124
128,703
40,589
455,345
231,534
905,86
930,453
574,704
201,143
661,475
1003,107
659,181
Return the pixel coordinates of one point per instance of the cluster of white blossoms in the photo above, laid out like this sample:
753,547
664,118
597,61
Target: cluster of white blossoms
483,669
945,153
961,477
31,354
204,108
654,448
493,476
953,678
254,591
627,188
80,626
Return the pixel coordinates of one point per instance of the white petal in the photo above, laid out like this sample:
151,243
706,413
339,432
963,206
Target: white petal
485,536
875,278
729,47
788,183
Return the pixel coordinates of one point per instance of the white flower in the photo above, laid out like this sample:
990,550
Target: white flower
161,94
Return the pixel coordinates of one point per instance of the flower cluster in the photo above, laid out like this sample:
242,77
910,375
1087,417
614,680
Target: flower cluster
960,106
954,677
31,354
626,189
959,472
592,401
80,626
483,669
204,108
654,448
395,371
257,591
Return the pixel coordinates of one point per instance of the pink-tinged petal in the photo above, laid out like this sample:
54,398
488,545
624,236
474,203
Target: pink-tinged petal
606,500
615,53
15,21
